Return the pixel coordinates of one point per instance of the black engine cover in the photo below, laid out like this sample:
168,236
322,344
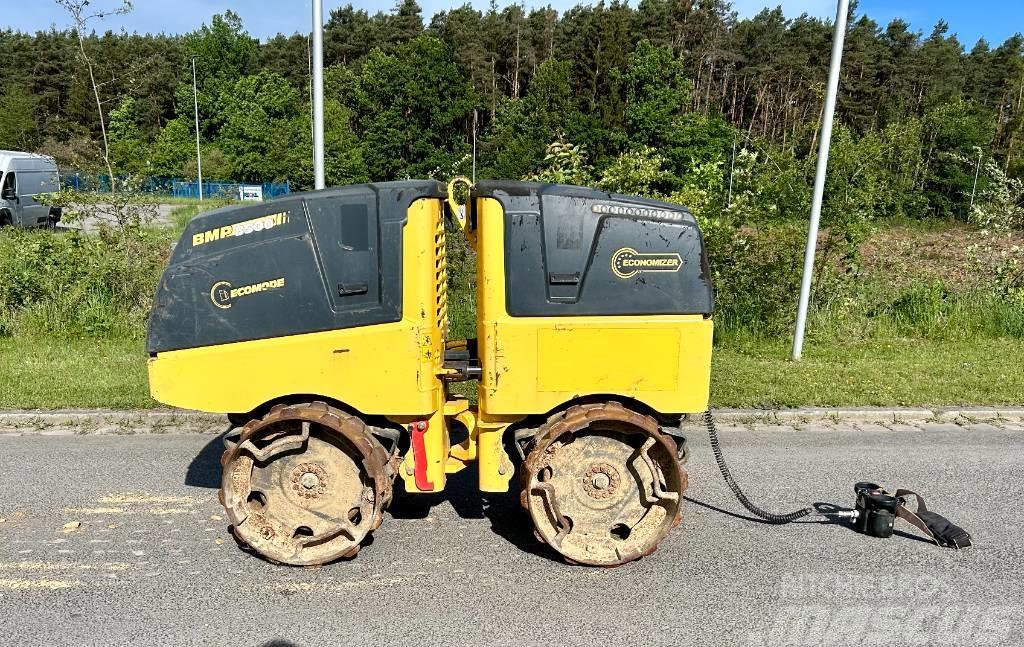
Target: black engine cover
310,262
577,251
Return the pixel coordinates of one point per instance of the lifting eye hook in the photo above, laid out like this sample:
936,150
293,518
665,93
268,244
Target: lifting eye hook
459,210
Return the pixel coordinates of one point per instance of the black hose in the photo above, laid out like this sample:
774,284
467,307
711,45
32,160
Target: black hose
770,517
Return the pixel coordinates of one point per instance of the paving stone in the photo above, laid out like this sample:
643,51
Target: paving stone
1014,414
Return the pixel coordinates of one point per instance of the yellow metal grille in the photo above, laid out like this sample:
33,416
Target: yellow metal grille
441,278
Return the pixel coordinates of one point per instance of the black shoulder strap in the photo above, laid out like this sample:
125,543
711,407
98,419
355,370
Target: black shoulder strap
940,529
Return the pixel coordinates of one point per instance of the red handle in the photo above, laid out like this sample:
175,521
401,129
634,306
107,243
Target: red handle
419,455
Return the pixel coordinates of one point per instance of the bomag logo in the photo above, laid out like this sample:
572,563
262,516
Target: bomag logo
223,295
262,223
627,262
636,211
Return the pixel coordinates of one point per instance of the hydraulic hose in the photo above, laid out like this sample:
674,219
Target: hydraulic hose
770,517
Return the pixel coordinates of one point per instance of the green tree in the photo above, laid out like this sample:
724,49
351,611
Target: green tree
343,152
80,18
19,119
564,164
404,24
264,119
127,149
525,127
288,56
174,147
953,132
638,172
415,110
349,35
224,53
656,94
939,72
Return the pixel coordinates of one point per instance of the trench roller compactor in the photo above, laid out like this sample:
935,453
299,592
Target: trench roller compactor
319,323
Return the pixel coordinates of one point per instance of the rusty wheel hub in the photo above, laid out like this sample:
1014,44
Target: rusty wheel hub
602,484
309,481
600,481
305,484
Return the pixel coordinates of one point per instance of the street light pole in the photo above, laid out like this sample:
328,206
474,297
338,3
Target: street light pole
977,169
318,94
199,156
819,175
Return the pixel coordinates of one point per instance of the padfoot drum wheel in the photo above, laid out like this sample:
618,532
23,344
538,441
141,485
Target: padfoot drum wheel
602,484
305,484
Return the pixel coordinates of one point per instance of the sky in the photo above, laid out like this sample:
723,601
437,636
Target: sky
995,20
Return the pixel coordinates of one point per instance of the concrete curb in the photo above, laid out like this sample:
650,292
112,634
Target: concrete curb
880,415
108,422
169,421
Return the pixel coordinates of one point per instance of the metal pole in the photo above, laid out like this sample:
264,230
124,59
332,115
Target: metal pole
819,175
199,155
318,94
309,70
977,169
474,146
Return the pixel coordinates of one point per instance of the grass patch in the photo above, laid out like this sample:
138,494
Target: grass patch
47,373
182,215
875,372
73,311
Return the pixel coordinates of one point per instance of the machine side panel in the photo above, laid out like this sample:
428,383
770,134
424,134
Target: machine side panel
608,358
387,369
535,364
313,262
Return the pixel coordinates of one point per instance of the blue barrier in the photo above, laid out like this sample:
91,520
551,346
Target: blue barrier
173,187
227,189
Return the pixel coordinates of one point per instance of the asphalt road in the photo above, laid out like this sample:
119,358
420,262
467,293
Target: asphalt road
161,215
152,562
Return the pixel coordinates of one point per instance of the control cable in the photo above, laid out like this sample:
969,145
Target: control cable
770,517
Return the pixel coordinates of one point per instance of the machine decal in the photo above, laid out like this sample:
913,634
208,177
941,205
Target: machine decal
223,295
240,228
627,262
636,211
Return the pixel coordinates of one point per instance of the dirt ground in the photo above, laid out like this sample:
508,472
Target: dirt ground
958,255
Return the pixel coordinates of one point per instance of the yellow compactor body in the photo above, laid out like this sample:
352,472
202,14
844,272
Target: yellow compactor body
319,323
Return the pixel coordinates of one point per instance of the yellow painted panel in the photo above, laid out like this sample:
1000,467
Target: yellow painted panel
516,364
608,360
373,369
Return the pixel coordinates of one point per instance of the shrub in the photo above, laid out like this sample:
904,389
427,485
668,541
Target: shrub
757,277
74,285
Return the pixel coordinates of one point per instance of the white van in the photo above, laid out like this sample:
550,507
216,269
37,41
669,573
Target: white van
23,176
